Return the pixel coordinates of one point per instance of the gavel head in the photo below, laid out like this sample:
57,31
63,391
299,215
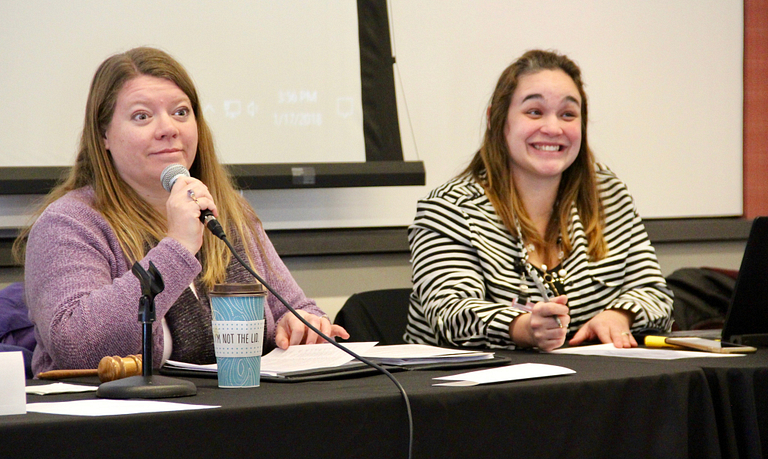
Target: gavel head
112,368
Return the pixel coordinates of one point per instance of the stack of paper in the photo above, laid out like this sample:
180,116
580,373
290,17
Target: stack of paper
312,357
319,356
420,354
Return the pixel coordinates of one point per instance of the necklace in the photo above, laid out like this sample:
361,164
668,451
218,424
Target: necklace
560,254
551,283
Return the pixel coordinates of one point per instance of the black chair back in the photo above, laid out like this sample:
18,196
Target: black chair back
376,315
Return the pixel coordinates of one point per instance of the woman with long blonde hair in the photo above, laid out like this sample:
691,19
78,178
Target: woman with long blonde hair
142,115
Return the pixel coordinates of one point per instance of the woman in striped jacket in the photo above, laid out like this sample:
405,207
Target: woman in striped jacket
534,241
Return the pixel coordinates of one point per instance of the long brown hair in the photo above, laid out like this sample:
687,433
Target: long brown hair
137,225
491,164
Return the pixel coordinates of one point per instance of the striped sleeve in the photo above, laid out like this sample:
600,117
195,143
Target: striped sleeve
643,288
448,304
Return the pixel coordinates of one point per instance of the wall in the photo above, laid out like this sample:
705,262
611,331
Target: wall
649,67
755,100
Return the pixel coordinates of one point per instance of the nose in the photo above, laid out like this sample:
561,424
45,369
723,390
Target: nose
551,125
166,127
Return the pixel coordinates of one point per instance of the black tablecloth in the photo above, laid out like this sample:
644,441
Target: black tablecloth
739,389
611,407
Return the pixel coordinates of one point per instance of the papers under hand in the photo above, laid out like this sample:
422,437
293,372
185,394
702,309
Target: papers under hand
502,374
319,356
310,357
637,352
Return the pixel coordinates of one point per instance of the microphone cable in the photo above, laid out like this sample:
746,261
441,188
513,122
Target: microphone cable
221,235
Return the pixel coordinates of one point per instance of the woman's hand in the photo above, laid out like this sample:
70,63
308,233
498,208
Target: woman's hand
609,326
292,331
540,328
183,212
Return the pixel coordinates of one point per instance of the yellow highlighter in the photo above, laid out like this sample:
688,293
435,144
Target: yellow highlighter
659,342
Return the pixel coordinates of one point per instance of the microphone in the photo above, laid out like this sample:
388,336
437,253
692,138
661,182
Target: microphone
169,176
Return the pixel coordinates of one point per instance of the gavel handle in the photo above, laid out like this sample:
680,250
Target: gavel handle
110,368
61,374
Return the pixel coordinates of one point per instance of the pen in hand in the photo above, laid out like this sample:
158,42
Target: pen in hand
548,300
543,290
528,308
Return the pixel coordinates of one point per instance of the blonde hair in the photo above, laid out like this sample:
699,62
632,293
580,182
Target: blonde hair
491,165
137,225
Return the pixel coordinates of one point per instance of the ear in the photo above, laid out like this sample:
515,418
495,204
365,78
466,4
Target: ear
488,116
106,141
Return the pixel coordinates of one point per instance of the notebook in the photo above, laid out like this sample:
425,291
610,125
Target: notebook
746,321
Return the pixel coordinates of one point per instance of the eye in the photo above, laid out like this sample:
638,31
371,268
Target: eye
533,112
140,116
570,115
183,111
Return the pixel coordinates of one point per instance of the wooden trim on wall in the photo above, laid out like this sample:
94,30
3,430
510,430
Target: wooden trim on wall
755,101
368,241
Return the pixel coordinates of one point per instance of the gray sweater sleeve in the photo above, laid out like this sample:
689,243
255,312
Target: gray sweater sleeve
82,296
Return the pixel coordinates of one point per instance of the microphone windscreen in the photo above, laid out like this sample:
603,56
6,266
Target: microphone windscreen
171,173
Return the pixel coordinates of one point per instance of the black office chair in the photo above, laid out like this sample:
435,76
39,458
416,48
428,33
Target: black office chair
702,296
377,315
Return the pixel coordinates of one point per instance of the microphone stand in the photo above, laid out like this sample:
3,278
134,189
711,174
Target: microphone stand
147,385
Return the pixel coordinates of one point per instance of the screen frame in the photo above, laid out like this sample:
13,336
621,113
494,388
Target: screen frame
384,162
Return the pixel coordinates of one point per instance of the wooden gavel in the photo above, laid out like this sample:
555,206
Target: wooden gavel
110,369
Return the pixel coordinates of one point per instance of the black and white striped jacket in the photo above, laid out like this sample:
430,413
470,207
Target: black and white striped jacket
466,268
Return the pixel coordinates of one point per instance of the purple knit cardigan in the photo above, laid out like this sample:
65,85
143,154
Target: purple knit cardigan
83,298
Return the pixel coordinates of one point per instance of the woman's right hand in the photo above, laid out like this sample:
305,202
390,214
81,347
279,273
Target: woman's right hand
540,328
183,212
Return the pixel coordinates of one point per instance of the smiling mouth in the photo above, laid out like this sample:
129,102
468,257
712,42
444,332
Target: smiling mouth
548,147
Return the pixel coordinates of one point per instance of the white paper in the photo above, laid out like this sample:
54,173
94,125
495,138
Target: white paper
413,354
638,352
505,373
416,351
317,356
109,407
59,388
295,358
312,357
13,399
209,367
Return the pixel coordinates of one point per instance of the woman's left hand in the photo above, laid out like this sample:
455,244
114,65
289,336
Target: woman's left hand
292,331
609,326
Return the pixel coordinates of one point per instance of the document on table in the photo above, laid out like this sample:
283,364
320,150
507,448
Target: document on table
312,357
502,374
319,356
59,388
295,358
411,354
109,407
638,352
